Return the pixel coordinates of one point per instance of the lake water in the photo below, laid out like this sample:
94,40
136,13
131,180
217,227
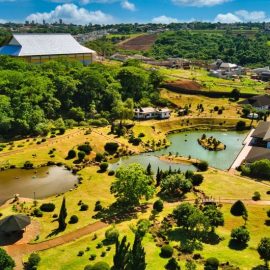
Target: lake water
45,182
186,144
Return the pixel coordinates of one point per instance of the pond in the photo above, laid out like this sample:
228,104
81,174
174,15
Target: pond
44,182
185,144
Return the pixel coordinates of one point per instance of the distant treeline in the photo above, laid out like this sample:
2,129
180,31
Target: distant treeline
238,49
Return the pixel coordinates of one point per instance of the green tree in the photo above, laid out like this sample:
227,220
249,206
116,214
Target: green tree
121,257
240,235
190,265
238,209
33,261
172,265
132,184
62,216
6,262
214,215
264,250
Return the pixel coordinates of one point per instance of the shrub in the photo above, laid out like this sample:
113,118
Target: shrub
104,166
92,257
216,108
240,235
141,135
33,261
99,157
73,219
86,148
111,173
260,169
256,196
166,251
71,154
111,147
98,206
112,235
238,209
84,207
103,254
203,166
172,265
197,179
211,264
37,213
101,266
28,165
6,262
100,245
158,205
47,207
240,125
81,155
80,253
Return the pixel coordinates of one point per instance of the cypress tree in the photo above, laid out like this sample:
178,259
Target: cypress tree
62,216
149,169
121,257
137,255
158,177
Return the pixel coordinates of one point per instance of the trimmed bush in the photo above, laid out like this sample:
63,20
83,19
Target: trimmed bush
84,207
211,264
238,209
47,207
101,266
111,147
73,219
197,179
98,206
80,253
37,213
268,213
92,257
99,157
81,155
256,196
158,205
240,125
99,245
166,251
112,235
104,166
71,154
86,148
33,261
111,173
203,166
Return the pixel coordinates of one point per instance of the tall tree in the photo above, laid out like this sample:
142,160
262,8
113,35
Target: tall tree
121,257
264,250
137,255
62,216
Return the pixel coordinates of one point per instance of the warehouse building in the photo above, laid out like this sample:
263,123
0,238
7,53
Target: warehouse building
40,48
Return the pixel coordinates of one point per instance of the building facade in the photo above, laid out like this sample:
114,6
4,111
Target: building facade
40,48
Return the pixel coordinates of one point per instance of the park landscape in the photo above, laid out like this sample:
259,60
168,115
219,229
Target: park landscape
141,194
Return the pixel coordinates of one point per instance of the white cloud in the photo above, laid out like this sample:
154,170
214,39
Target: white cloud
199,3
164,20
71,13
128,5
2,21
242,16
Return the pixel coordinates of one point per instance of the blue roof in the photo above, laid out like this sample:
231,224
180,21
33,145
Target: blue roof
11,50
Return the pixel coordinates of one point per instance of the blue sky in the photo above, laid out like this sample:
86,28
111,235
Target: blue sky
117,11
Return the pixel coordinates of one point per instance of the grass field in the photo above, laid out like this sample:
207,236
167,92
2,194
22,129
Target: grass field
209,83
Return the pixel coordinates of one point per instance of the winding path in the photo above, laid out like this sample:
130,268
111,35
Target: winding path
18,251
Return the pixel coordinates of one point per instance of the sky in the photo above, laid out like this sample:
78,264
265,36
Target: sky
131,11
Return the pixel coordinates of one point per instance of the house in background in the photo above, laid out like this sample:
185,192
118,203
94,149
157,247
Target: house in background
258,102
262,74
40,48
151,113
224,70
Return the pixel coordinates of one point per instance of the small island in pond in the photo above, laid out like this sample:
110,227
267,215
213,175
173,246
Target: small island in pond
211,143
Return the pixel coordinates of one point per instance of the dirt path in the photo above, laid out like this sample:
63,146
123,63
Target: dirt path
17,251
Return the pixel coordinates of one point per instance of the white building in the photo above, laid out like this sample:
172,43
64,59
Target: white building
151,113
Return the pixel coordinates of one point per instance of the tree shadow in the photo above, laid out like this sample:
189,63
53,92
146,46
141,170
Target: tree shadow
119,212
211,238
179,235
171,198
54,232
233,244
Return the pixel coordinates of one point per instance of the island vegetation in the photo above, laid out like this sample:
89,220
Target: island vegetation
211,143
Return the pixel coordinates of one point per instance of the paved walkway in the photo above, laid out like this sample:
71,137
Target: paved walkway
244,152
17,251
